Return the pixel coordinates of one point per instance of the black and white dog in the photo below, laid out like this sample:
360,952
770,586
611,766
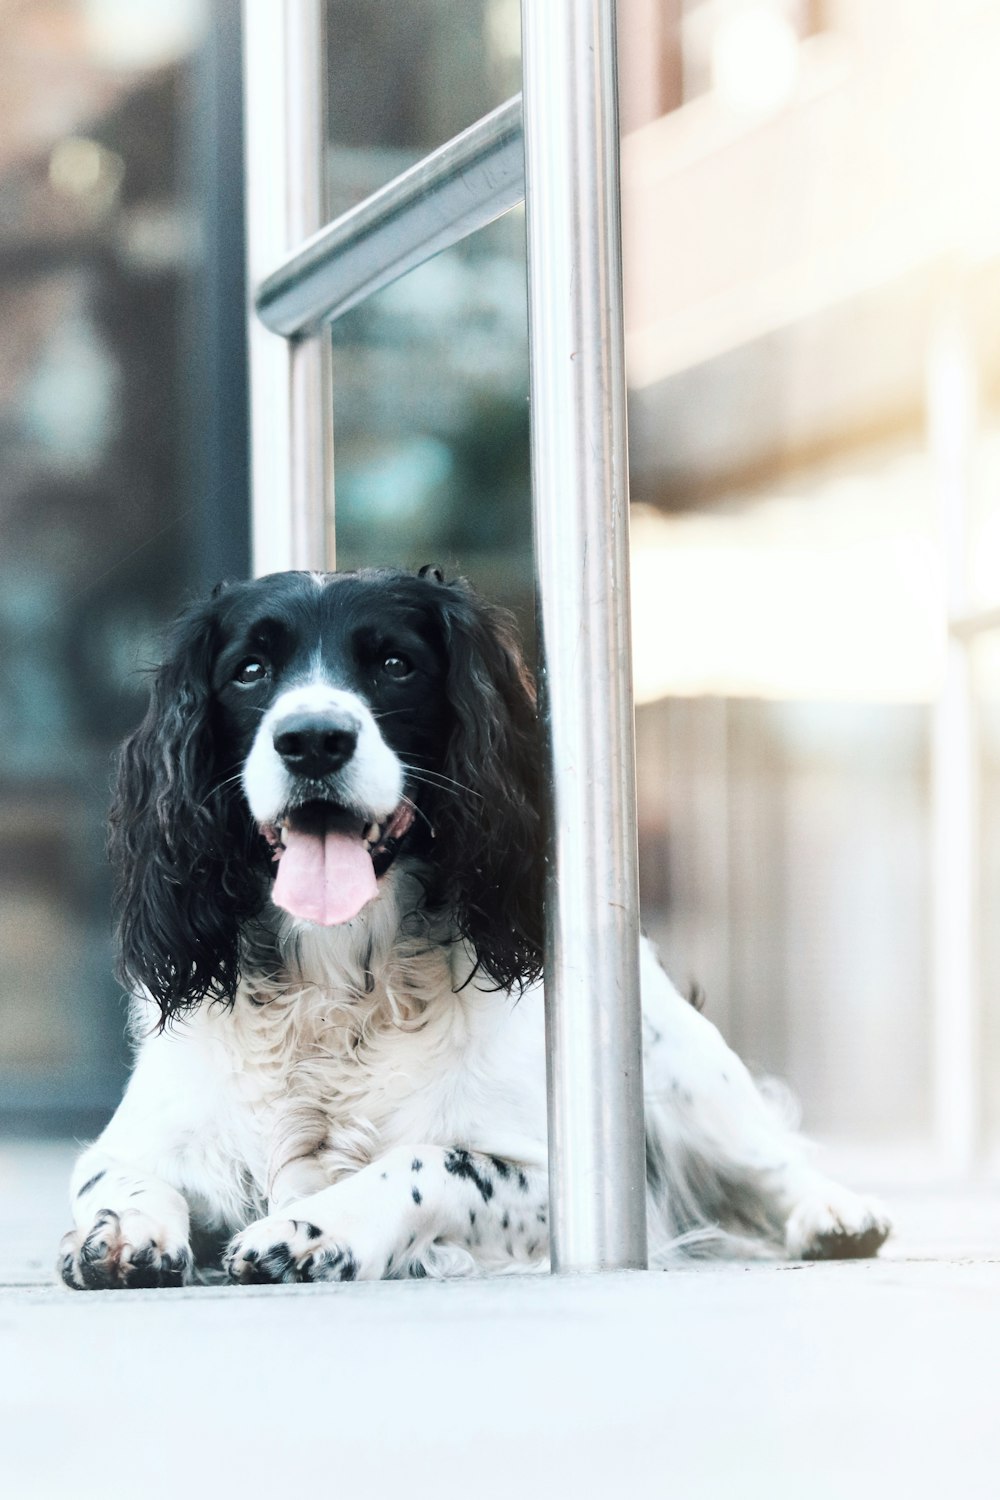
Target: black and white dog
328,843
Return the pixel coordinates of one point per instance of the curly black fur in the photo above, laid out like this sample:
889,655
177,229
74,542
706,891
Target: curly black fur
490,841
189,867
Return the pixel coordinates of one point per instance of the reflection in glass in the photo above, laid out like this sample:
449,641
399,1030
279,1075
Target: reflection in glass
430,380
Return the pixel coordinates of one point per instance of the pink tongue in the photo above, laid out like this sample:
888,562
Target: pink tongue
324,879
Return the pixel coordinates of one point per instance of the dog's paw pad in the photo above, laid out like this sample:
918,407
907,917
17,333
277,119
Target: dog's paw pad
837,1225
287,1250
121,1252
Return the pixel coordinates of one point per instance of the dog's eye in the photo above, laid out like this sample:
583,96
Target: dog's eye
396,666
251,671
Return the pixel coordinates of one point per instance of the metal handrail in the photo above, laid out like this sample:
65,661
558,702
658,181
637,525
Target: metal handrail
463,186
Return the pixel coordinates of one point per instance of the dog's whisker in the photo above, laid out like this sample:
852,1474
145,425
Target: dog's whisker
220,786
433,778
419,812
438,786
236,776
229,781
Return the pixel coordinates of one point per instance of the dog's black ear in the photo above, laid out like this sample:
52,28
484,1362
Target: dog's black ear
489,824
182,846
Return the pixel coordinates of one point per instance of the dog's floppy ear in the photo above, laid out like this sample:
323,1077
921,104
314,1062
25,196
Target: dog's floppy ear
186,872
489,826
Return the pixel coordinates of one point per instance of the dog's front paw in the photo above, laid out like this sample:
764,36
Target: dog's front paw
275,1250
123,1250
836,1225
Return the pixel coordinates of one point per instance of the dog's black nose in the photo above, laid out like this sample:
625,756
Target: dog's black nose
316,744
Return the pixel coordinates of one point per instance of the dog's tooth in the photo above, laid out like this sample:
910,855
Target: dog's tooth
282,831
372,833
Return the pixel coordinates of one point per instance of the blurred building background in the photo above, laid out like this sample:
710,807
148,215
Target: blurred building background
812,248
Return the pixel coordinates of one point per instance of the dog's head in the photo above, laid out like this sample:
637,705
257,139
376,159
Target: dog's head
304,734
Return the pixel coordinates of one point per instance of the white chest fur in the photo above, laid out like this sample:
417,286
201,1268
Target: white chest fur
303,1080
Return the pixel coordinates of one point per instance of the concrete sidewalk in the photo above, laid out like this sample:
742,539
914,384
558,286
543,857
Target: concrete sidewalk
817,1382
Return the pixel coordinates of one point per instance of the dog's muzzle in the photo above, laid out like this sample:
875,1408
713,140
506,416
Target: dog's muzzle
329,859
327,792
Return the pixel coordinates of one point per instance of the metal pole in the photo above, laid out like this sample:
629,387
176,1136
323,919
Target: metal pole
291,411
580,481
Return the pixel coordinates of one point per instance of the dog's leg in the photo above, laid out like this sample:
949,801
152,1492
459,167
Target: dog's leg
402,1216
131,1228
132,1222
714,1139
